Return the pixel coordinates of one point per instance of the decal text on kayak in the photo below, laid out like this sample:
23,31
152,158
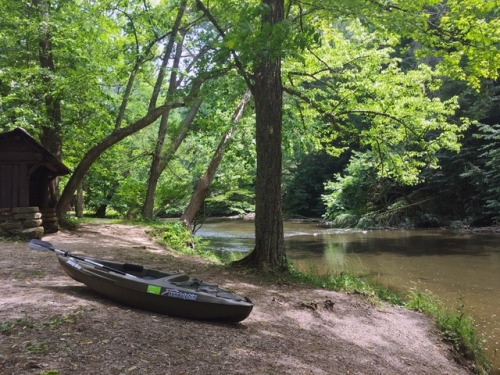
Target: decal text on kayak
178,294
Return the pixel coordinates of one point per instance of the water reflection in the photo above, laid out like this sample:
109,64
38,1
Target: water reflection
450,264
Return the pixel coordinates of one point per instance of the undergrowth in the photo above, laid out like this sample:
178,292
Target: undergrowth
175,236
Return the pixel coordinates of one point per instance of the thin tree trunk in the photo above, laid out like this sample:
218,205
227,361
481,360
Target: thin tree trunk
169,154
203,184
166,57
50,138
79,201
155,169
185,126
269,251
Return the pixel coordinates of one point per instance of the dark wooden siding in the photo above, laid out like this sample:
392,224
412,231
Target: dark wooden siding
5,186
14,189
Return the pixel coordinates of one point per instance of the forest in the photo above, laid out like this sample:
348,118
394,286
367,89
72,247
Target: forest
361,113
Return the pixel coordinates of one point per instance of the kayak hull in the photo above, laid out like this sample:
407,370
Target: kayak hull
160,292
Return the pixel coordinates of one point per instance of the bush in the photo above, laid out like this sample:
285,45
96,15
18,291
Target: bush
345,221
366,223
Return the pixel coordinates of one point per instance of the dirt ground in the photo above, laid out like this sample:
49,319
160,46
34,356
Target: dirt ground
50,324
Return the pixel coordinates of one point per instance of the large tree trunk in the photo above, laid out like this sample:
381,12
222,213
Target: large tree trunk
269,251
200,193
50,138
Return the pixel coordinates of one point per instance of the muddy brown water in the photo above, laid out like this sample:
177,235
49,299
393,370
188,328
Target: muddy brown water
457,267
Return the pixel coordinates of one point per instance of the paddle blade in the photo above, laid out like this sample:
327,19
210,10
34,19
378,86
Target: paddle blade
40,245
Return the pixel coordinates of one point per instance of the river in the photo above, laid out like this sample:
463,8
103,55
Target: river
454,266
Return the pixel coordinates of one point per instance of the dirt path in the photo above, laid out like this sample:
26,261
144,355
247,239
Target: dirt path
50,322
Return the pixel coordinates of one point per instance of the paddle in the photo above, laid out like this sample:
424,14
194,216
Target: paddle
35,244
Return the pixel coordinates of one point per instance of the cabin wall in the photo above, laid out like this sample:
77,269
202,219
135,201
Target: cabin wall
14,186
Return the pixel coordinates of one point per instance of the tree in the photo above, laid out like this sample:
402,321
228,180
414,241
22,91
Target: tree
51,132
361,99
269,251
204,182
266,87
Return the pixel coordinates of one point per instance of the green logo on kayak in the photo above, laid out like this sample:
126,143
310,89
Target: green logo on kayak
154,289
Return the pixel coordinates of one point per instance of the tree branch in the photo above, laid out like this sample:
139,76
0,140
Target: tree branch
237,61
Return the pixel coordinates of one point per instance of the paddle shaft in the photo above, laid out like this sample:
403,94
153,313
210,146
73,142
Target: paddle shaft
43,245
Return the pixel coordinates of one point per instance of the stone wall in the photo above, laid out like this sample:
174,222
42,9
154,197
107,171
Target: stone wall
25,222
50,222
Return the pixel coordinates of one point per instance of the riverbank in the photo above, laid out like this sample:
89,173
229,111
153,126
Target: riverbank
51,323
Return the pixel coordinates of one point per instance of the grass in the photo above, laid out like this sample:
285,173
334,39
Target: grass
175,236
350,283
6,328
37,347
9,327
455,326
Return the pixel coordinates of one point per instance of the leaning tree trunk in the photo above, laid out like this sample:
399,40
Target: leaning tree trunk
269,251
116,136
203,184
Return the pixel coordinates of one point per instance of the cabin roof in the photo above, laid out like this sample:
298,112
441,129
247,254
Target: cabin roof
12,148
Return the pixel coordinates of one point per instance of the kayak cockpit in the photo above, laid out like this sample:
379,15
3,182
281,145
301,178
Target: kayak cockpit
144,273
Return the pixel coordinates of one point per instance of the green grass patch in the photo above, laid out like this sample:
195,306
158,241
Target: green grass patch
24,323
350,283
455,326
175,236
36,347
8,327
60,320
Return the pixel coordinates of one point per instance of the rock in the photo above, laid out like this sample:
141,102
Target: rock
51,227
27,216
32,223
30,233
25,210
11,225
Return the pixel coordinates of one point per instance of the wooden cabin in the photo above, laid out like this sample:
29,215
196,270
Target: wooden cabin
26,169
